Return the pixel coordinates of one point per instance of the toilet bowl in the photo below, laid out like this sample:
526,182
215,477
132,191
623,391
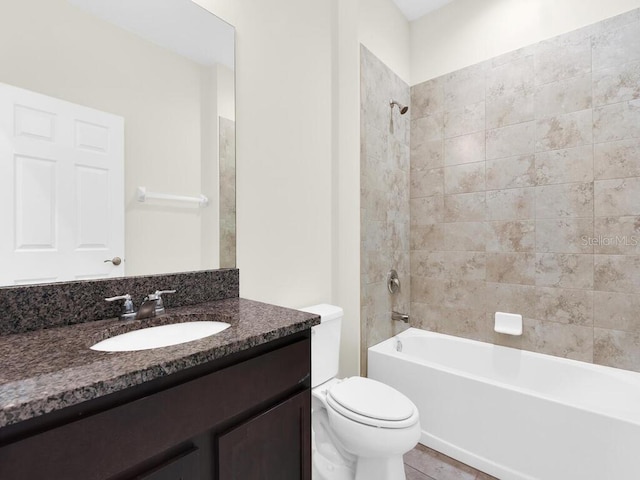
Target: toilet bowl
360,427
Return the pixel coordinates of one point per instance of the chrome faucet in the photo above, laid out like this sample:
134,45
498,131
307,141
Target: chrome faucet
151,306
401,317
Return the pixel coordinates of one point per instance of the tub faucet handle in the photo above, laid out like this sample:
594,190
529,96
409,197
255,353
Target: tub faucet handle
393,282
401,317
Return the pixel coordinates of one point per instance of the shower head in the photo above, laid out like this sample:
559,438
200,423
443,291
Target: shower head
403,108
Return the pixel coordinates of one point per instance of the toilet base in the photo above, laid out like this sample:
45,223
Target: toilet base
344,449
329,461
325,469
380,469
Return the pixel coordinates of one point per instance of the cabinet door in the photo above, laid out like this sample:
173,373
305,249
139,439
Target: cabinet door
275,445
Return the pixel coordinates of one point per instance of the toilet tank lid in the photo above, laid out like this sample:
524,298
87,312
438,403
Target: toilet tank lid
326,311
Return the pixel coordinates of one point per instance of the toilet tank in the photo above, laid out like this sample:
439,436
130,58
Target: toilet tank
325,342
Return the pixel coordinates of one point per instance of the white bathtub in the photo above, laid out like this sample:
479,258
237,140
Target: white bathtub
516,414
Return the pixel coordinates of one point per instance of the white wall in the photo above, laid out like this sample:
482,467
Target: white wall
466,32
384,30
297,84
226,92
283,125
346,204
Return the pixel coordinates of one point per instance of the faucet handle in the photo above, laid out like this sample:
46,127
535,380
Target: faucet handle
157,296
162,292
126,298
128,311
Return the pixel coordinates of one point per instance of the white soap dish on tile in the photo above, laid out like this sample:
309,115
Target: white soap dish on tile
508,323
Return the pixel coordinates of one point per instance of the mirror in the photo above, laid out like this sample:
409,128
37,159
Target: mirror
117,139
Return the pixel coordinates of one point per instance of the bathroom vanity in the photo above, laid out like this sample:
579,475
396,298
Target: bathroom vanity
235,405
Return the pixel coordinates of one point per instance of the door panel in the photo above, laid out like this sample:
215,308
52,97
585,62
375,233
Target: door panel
35,204
92,185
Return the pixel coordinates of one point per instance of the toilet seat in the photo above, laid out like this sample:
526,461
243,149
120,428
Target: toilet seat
371,403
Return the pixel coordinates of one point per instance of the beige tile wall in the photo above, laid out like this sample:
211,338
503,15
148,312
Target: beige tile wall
227,162
525,196
384,172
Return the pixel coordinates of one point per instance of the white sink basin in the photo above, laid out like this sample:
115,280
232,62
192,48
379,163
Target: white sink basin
162,336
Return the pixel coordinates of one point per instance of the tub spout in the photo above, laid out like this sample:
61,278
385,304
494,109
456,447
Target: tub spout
403,317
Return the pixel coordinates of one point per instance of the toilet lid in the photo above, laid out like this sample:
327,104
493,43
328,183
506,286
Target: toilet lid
372,399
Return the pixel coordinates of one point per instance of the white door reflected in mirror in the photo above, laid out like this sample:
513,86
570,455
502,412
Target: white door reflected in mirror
62,165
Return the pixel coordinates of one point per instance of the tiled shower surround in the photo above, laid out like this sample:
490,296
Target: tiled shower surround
384,187
227,165
525,197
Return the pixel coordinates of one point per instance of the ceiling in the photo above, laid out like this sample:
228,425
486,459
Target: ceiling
413,9
179,25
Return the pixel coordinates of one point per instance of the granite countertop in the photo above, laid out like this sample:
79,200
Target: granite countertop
47,370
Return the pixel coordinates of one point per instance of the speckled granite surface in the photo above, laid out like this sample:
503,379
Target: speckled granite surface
47,370
33,307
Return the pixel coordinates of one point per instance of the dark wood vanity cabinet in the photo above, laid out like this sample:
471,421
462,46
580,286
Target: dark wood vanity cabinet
244,417
269,445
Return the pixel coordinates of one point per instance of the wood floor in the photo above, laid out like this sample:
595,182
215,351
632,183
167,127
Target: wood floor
422,463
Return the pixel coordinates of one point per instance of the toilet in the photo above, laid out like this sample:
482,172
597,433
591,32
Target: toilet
361,427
